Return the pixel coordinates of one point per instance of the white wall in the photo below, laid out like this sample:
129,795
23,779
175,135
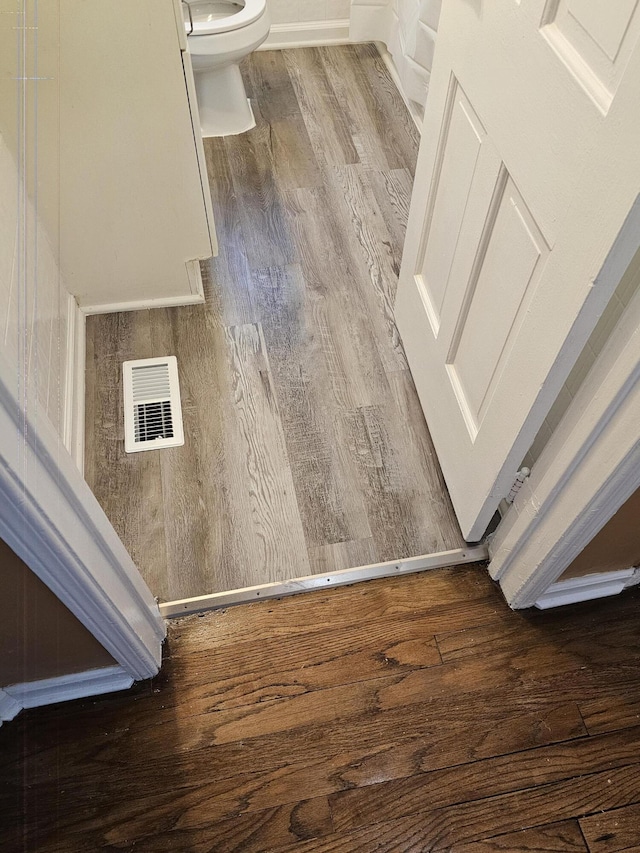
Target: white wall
294,11
304,23
37,315
34,303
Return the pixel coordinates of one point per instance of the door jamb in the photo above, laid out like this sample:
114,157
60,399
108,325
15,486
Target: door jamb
53,522
588,469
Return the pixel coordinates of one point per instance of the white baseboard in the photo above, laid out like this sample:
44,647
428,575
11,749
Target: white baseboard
9,707
307,34
597,585
73,428
144,304
393,73
47,691
194,274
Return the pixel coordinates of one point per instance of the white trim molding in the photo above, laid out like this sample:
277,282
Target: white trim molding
53,522
63,688
144,304
412,106
588,469
586,588
307,34
74,401
9,707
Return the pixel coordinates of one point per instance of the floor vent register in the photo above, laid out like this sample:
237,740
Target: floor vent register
152,409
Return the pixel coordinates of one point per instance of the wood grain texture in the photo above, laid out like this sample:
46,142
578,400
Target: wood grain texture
564,837
328,722
306,448
613,831
128,488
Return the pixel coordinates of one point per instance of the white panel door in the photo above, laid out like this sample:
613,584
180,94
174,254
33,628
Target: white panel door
528,168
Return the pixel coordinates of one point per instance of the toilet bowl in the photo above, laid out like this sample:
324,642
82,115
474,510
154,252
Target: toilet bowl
220,33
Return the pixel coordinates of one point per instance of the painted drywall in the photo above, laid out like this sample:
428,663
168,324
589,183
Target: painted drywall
39,636
303,11
35,307
616,546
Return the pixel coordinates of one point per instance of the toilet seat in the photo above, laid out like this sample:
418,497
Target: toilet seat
222,16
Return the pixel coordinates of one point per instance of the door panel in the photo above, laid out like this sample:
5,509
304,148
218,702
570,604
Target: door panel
464,139
594,40
524,179
500,290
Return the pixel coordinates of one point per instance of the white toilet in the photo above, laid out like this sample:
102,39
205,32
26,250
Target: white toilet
219,34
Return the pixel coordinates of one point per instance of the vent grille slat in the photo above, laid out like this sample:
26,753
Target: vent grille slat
153,417
153,420
151,383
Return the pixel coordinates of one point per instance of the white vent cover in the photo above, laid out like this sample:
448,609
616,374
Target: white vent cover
152,413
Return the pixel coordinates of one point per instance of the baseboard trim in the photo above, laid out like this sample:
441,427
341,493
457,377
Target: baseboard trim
73,428
596,585
307,34
393,568
144,304
47,691
194,273
9,707
393,73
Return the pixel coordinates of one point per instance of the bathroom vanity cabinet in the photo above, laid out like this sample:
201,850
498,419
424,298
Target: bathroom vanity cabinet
135,208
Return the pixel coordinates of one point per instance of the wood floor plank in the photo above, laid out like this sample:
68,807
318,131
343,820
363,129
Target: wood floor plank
327,261
370,66
612,712
564,837
369,146
330,505
342,555
362,751
311,662
180,823
436,516
198,512
441,829
459,597
269,521
363,226
310,207
538,626
613,831
375,104
271,85
483,752
266,238
226,277
128,486
392,190
325,116
486,778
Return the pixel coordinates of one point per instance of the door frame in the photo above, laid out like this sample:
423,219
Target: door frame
590,465
589,468
53,522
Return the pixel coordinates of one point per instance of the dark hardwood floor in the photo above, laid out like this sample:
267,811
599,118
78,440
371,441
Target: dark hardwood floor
306,448
412,715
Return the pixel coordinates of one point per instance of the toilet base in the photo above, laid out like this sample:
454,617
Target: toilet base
223,105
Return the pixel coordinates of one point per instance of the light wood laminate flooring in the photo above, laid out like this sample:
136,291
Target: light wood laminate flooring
306,449
408,715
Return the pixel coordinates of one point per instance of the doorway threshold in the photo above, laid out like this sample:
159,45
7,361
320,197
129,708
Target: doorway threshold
343,577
